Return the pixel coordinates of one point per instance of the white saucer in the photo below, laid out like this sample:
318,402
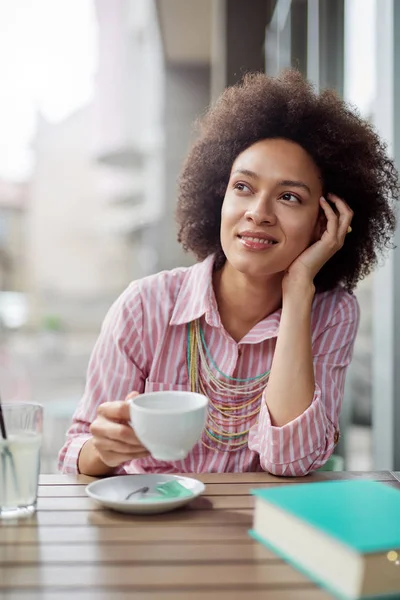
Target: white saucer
112,492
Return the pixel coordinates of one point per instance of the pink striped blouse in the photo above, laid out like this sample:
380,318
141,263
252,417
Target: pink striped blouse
142,347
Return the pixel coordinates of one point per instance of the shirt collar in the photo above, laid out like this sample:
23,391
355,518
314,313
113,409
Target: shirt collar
196,298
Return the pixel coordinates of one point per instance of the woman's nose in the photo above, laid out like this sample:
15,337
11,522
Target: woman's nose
261,212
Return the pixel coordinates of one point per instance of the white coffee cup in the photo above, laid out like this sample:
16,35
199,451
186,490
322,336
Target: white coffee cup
170,423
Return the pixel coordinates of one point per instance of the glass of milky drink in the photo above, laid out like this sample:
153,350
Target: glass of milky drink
20,458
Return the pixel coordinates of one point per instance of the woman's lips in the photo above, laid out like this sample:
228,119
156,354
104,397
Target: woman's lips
256,243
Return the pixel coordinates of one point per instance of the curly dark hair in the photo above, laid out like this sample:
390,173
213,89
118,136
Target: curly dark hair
352,159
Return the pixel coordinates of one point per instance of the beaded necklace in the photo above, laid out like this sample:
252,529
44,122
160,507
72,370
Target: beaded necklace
222,415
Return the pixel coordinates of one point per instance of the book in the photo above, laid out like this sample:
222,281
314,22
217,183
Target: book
344,535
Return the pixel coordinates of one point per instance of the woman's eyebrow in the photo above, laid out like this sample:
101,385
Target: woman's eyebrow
284,182
246,172
299,184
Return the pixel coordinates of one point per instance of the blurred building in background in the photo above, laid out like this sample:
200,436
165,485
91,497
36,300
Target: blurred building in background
75,266
96,208
14,197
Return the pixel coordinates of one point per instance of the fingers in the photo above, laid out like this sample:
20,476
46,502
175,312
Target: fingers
337,222
105,428
115,411
345,214
331,217
113,438
107,445
115,443
115,459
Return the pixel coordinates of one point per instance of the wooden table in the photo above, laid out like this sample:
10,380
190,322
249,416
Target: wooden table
72,548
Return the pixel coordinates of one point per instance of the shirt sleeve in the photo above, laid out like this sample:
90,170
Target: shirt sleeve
306,443
117,367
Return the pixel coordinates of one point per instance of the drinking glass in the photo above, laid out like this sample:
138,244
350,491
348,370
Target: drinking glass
20,459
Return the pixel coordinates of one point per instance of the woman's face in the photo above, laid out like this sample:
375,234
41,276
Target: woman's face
270,212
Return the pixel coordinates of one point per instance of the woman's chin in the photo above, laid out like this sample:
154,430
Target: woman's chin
254,268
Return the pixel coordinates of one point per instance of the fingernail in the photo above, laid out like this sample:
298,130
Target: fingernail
323,199
132,395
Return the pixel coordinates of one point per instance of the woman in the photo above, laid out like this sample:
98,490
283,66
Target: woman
286,201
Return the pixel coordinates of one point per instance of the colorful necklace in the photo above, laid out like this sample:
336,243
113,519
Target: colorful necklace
234,403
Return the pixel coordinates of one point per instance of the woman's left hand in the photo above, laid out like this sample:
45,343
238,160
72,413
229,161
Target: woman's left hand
306,266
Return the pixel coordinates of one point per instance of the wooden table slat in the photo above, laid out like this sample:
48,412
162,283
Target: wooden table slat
151,534
307,592
64,479
105,518
202,503
212,489
145,577
15,554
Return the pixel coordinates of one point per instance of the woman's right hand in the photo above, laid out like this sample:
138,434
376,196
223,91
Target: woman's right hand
113,440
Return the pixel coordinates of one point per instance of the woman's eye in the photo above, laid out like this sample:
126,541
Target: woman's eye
241,187
290,197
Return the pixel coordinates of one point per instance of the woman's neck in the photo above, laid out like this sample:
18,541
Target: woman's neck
243,302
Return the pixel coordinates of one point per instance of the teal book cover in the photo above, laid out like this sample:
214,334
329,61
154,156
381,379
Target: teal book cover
364,515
